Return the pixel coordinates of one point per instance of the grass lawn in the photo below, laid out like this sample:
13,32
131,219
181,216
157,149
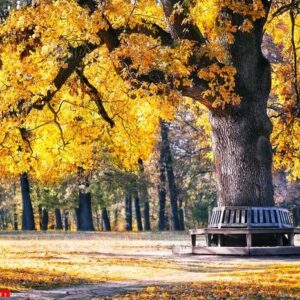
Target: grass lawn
47,260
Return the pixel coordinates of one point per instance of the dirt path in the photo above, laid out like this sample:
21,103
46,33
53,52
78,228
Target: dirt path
98,291
106,290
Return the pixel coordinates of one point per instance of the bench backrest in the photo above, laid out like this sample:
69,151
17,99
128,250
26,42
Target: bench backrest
250,217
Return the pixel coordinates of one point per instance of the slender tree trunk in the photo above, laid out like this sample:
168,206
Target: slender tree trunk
45,219
84,212
147,223
181,219
146,200
58,219
27,213
167,222
15,218
40,211
181,214
66,220
128,212
170,174
77,219
1,219
6,219
138,212
162,192
105,220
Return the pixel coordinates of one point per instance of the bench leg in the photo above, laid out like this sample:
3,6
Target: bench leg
280,240
291,239
208,240
249,240
193,236
220,240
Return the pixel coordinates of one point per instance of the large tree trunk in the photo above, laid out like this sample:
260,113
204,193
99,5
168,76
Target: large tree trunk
128,212
138,214
58,219
84,212
243,159
27,212
170,174
105,220
242,149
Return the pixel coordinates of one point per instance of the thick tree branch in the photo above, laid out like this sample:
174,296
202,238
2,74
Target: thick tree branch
196,94
95,96
77,55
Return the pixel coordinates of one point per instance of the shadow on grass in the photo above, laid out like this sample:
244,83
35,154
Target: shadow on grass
24,279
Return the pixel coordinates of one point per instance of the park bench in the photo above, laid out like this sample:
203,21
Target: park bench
247,222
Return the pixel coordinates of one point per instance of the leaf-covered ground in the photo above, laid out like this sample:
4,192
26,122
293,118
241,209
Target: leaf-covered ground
278,281
43,261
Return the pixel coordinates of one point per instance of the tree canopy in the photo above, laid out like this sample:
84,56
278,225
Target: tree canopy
89,79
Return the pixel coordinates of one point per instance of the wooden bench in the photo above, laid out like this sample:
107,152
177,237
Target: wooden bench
241,230
248,232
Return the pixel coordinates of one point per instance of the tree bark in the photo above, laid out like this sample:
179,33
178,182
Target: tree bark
105,220
27,212
128,212
45,219
243,160
58,219
138,212
84,212
170,174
